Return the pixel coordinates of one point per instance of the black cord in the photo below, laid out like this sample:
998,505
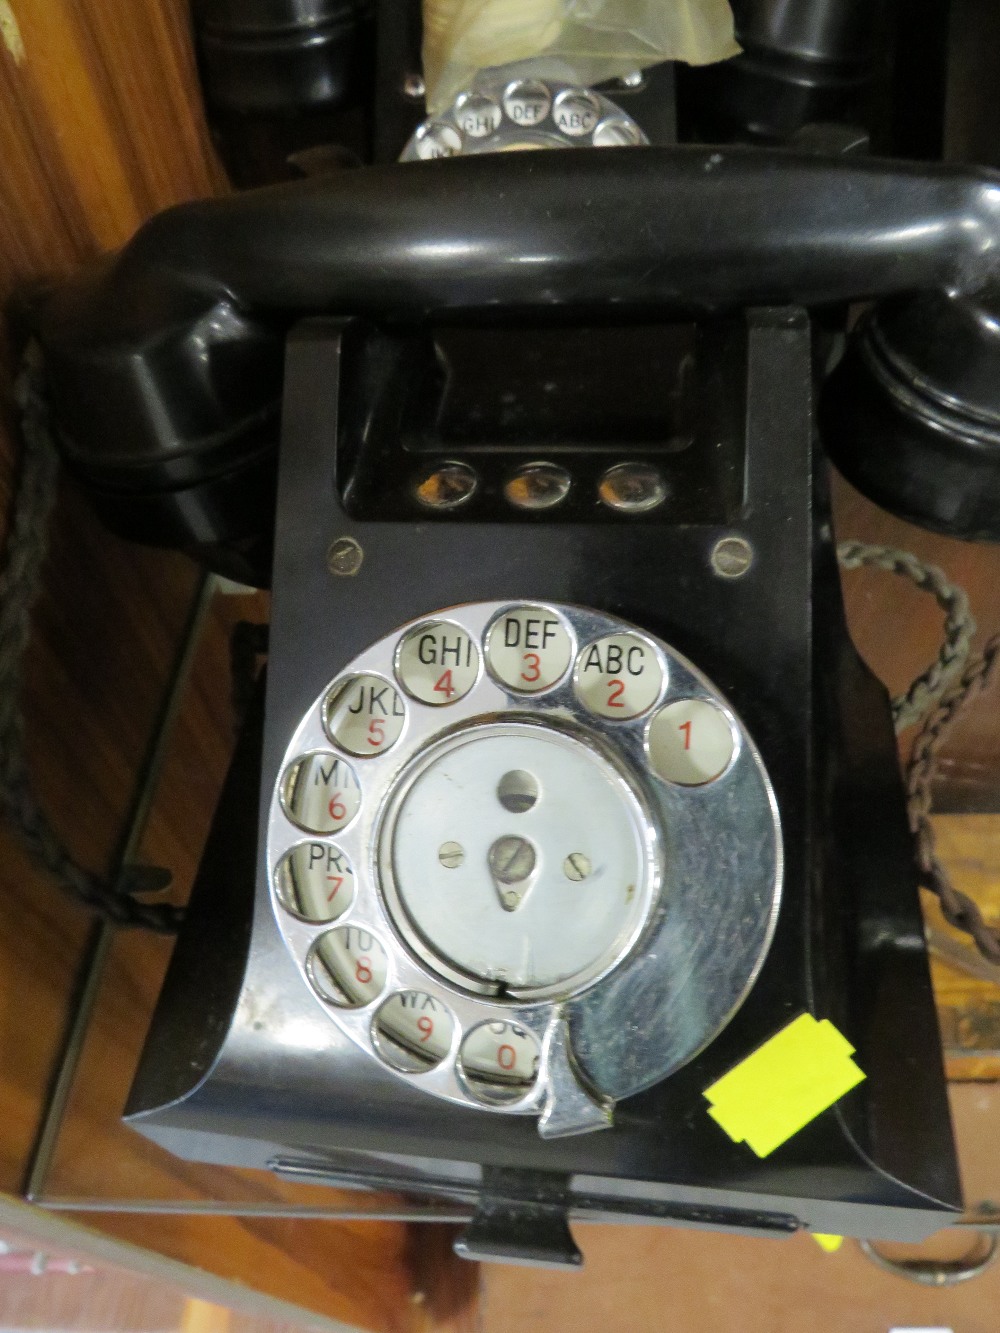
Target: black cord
21,563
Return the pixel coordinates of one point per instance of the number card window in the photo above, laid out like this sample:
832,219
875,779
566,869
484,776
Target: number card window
437,663
618,676
365,715
528,649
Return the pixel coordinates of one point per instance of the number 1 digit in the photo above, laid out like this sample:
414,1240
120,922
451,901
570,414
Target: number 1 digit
686,728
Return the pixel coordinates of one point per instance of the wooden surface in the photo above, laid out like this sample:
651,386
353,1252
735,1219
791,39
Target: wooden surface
82,89
968,1006
158,1284
55,1290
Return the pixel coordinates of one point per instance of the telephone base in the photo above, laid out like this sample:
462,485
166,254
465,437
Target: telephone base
245,1067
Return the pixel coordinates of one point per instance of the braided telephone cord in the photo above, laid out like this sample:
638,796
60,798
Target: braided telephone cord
939,696
958,908
20,572
959,626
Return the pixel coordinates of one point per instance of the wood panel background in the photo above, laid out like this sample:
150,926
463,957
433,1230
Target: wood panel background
100,125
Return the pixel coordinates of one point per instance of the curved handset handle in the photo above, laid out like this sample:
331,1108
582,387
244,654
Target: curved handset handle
639,229
174,348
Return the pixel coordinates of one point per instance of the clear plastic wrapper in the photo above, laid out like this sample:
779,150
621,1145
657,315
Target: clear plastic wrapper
582,42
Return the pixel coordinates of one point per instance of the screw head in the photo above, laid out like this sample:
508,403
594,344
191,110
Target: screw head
344,556
731,557
414,88
511,859
576,866
451,855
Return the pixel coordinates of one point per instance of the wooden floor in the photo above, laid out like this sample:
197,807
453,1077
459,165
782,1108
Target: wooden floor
52,1291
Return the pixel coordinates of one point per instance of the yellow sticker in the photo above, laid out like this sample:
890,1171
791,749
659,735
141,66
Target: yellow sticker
784,1084
827,1242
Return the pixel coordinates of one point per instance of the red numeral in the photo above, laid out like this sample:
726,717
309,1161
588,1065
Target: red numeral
363,971
337,808
336,881
686,728
506,1057
535,663
426,1026
444,685
616,688
376,732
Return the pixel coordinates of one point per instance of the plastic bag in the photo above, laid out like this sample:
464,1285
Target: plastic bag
574,41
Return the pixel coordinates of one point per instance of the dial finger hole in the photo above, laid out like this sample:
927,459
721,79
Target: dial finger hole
364,714
348,967
412,1031
320,792
528,649
691,742
437,663
499,1062
618,676
315,881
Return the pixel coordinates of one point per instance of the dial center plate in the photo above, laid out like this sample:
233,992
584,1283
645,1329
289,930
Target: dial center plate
536,891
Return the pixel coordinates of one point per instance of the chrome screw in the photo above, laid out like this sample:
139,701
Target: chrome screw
511,859
576,866
731,557
451,855
344,556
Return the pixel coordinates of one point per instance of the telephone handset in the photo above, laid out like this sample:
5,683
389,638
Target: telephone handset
488,793
164,365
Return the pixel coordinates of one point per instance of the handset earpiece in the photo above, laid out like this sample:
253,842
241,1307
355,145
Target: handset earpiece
911,416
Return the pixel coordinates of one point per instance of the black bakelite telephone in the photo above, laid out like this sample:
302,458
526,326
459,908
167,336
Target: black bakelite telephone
570,792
